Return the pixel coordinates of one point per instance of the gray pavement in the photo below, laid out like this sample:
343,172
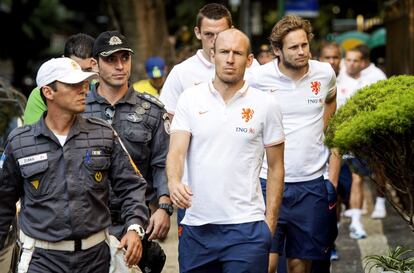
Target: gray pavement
382,234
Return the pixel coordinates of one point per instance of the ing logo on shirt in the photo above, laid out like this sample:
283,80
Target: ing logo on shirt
316,87
247,114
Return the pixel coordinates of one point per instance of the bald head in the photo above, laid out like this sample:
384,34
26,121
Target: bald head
231,56
233,34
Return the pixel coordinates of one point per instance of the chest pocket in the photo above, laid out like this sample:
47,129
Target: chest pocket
138,135
35,179
97,171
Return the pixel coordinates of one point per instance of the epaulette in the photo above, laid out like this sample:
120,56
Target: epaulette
19,130
151,99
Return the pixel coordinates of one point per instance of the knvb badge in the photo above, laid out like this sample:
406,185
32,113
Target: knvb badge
316,87
247,114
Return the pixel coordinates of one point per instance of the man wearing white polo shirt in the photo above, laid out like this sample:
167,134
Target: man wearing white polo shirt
211,19
306,91
222,129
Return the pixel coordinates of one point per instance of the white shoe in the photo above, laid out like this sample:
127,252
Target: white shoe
348,213
357,232
378,213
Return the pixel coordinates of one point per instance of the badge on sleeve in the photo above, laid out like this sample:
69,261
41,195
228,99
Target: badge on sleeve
167,123
2,159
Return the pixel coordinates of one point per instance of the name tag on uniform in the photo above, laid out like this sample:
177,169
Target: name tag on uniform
32,159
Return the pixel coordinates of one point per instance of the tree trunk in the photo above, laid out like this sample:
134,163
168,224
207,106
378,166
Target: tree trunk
144,24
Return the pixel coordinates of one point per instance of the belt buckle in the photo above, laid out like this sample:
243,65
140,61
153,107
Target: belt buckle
78,245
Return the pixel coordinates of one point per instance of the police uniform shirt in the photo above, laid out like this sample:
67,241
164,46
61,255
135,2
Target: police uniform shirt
64,190
142,124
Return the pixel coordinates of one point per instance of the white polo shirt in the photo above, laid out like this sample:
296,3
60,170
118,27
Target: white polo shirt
372,74
190,72
226,152
347,87
302,103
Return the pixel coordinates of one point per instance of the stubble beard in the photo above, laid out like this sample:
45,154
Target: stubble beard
292,66
232,80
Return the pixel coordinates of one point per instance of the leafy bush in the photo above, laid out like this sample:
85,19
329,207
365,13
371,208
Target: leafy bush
384,108
397,260
377,125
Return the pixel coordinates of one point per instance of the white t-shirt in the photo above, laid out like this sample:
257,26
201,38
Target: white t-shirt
226,152
302,104
190,72
61,138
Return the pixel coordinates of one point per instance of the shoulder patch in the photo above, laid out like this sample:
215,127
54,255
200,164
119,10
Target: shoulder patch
151,99
19,131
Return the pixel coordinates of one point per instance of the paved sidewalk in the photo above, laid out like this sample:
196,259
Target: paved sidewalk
170,247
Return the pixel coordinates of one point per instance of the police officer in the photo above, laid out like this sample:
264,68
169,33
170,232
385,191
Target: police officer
61,167
141,122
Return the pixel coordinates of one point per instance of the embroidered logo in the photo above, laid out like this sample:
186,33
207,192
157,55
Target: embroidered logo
180,231
247,114
98,176
35,184
316,87
115,41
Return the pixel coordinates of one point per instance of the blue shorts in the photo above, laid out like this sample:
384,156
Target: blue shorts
225,248
305,225
359,166
344,184
180,217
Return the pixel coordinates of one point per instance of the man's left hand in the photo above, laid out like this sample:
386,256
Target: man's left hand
133,245
159,225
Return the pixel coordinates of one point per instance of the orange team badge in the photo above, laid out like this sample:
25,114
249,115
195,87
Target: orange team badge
247,114
316,87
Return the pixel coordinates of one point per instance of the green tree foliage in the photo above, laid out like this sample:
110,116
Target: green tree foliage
377,125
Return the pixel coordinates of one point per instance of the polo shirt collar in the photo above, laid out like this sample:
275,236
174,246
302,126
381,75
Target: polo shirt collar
241,92
206,62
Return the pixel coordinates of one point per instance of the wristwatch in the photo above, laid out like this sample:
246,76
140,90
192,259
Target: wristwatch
167,207
138,229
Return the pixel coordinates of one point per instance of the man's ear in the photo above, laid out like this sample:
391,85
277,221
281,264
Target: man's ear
47,92
277,51
250,59
212,55
95,66
197,33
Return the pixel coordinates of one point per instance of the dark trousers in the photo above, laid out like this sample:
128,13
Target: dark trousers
92,260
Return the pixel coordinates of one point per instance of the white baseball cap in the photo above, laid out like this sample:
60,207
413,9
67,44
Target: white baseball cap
63,70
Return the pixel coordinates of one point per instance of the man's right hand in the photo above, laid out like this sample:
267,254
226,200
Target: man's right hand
180,194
